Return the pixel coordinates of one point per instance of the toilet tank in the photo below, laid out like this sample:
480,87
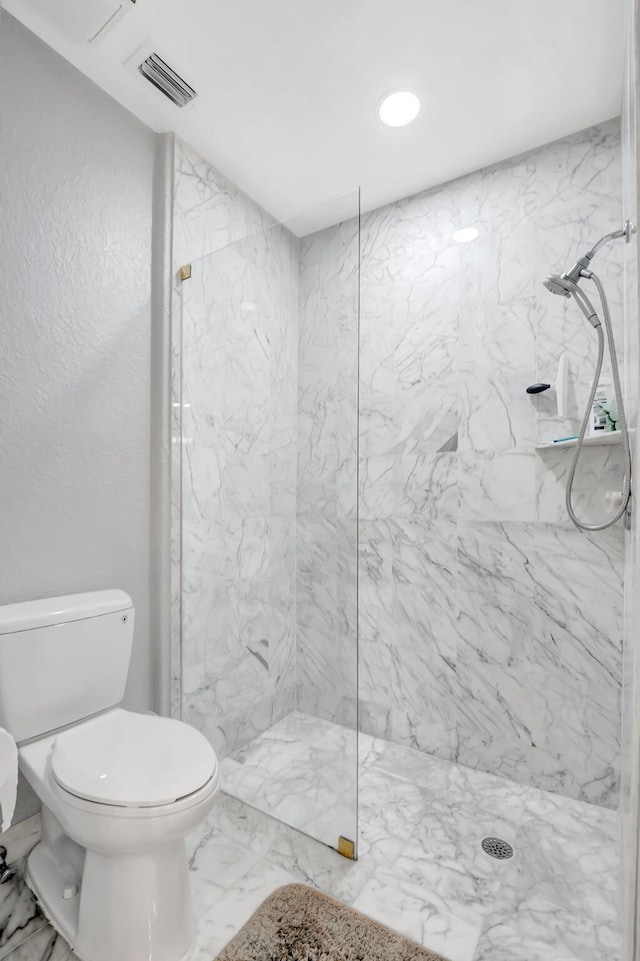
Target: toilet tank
62,659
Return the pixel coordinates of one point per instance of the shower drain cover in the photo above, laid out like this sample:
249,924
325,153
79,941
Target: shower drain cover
497,848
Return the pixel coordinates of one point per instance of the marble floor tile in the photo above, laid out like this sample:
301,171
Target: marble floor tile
45,945
421,869
422,915
302,771
237,905
534,936
21,838
20,916
214,859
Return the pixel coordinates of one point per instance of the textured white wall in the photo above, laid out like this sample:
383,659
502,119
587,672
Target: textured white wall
76,176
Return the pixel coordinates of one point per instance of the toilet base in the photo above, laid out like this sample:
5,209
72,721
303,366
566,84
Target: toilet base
47,882
148,899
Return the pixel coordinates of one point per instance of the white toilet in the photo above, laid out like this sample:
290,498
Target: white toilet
119,791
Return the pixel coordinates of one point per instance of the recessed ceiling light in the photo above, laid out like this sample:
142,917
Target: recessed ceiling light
465,235
399,108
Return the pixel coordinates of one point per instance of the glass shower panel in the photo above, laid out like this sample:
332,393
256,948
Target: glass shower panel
269,517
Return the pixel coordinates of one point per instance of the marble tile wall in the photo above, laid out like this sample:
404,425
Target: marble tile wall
490,627
235,358
327,487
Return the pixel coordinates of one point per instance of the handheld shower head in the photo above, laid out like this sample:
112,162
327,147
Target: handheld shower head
557,285
565,286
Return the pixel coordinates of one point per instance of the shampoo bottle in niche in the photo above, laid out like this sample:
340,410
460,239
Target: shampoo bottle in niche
604,412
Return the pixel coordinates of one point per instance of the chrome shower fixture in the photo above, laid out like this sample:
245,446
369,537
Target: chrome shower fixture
567,285
557,285
562,284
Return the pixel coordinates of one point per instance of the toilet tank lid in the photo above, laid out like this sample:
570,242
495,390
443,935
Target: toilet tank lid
49,611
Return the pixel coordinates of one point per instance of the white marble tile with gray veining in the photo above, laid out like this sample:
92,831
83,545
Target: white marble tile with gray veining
302,770
483,635
239,356
454,653
20,916
421,868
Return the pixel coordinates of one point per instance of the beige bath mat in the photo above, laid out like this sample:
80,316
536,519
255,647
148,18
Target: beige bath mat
296,923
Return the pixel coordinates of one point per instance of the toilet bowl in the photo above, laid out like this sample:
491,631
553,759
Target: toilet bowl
119,790
125,789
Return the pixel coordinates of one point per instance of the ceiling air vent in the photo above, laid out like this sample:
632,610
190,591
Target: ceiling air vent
167,80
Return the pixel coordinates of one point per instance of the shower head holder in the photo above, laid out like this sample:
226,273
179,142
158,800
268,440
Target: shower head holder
565,284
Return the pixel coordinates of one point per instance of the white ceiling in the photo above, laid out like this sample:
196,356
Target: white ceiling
288,89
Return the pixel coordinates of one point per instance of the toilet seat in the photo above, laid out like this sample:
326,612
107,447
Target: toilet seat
132,760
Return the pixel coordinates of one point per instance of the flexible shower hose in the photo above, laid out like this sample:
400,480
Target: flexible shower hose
626,488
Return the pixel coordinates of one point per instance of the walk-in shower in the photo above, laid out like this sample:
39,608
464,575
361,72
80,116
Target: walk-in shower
567,285
391,631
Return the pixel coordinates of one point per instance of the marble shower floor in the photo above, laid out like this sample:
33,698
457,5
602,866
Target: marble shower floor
421,869
304,771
